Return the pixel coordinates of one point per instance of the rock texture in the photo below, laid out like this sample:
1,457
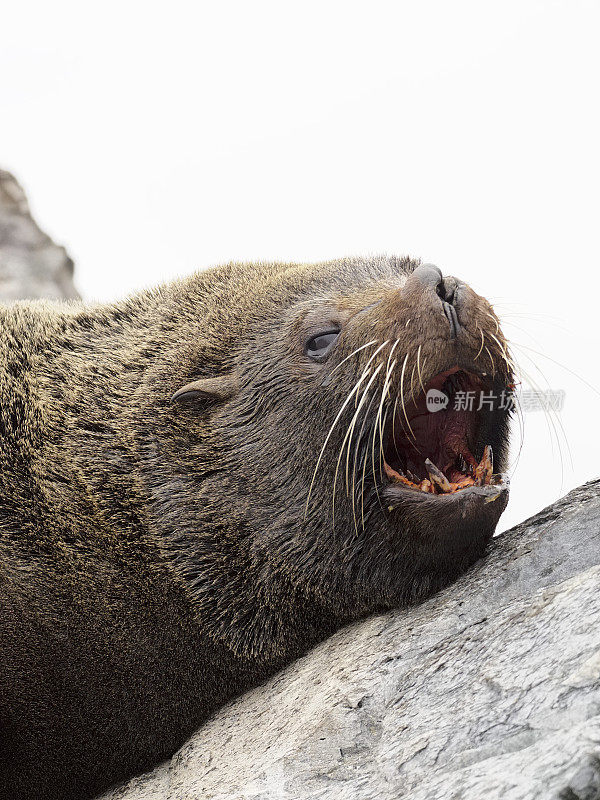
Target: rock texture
31,265
489,690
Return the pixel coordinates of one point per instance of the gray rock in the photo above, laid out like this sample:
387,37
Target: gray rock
489,690
31,265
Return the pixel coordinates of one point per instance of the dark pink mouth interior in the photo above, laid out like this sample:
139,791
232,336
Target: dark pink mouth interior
432,450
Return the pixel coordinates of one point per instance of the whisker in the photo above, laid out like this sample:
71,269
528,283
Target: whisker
505,355
394,426
548,410
354,420
548,414
354,462
402,397
482,345
381,429
327,438
486,348
353,353
412,381
419,369
519,411
558,364
373,456
376,353
384,392
494,319
346,439
386,385
550,424
362,427
554,322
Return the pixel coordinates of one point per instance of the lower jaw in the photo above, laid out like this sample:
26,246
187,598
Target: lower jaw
479,506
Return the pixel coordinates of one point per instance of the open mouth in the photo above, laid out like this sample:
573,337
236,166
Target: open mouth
431,444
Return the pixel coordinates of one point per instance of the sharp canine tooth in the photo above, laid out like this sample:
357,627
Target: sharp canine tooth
485,468
437,476
397,477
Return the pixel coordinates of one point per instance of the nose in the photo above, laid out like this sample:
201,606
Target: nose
445,288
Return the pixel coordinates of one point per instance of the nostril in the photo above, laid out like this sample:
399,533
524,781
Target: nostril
446,290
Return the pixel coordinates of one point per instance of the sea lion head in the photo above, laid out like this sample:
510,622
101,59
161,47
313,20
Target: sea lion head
322,437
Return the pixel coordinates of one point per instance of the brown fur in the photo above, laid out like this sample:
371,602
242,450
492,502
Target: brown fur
159,558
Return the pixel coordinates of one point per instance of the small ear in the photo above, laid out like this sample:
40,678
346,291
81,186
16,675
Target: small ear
215,390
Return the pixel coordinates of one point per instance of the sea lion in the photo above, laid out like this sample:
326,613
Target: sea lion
200,482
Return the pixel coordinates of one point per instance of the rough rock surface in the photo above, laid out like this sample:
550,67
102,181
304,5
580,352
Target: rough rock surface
489,690
31,265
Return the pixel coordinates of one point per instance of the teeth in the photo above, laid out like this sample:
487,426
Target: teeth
485,469
406,482
469,461
476,475
437,476
397,477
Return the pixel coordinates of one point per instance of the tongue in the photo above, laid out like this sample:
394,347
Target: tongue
442,436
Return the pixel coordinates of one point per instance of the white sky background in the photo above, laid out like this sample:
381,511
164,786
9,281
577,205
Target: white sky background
156,139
